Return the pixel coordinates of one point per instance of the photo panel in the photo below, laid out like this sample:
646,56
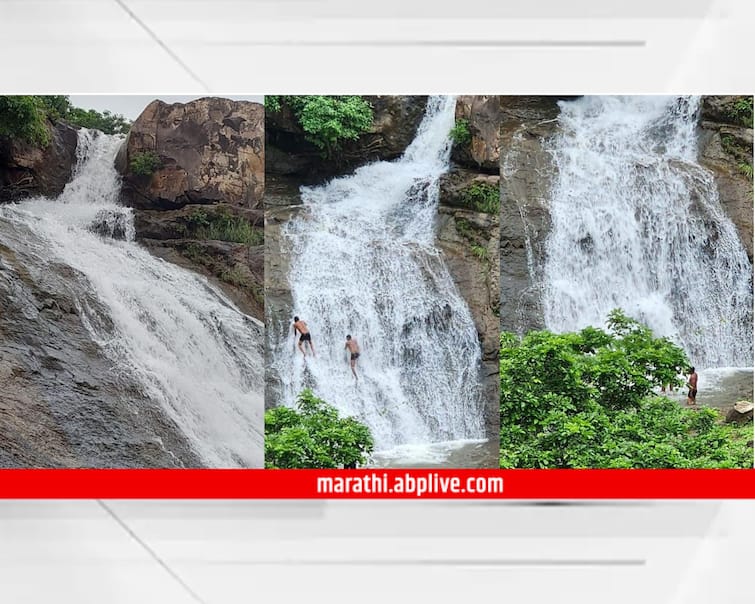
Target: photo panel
626,282
131,282
381,281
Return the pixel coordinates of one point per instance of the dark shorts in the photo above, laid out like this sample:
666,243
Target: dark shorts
692,394
305,337
354,356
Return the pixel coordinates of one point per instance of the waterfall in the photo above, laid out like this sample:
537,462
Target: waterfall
193,353
364,263
637,224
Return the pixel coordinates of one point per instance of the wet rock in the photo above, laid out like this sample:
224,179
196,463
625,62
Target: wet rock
112,224
210,150
527,171
27,169
63,403
726,148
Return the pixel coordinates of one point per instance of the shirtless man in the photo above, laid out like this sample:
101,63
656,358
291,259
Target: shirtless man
301,327
353,347
692,383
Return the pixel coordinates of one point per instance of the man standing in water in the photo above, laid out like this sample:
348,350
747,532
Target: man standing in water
692,383
353,347
301,327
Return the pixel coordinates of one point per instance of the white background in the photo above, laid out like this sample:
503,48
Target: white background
223,552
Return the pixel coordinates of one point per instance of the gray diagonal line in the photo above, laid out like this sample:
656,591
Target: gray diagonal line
441,43
469,562
162,45
151,552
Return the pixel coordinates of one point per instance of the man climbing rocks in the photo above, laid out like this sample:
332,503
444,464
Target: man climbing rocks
353,347
692,383
304,336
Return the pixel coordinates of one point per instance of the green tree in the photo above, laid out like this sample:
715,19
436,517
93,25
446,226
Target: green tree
314,436
24,118
327,121
586,400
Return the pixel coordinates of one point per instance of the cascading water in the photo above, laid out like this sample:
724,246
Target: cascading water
191,351
637,224
363,262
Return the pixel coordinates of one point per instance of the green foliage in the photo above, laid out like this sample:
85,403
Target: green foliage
24,118
144,163
480,252
745,169
327,121
741,111
235,276
107,122
460,133
314,436
222,225
272,103
482,197
586,400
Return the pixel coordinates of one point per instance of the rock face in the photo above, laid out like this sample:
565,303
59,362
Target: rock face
210,150
395,122
726,150
526,173
482,114
202,207
468,232
27,170
62,404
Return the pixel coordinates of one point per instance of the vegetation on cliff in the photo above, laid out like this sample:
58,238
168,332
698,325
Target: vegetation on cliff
586,400
328,121
25,117
314,436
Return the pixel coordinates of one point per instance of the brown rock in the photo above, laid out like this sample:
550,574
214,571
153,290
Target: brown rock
211,150
483,116
725,148
27,169
395,122
740,413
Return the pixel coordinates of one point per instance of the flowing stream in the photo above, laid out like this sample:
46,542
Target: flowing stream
190,350
637,224
364,263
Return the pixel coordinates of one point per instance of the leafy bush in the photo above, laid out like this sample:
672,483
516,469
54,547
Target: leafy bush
586,400
327,121
741,111
483,197
144,163
460,133
745,169
314,436
222,225
24,118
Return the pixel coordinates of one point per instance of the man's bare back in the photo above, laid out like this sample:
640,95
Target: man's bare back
304,336
353,347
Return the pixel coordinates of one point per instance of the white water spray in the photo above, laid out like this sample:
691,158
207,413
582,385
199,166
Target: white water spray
637,224
363,263
191,350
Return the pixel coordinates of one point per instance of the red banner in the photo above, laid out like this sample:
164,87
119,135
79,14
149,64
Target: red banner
378,484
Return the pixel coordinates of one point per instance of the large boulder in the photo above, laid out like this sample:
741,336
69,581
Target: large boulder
27,169
394,124
210,150
482,115
740,413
